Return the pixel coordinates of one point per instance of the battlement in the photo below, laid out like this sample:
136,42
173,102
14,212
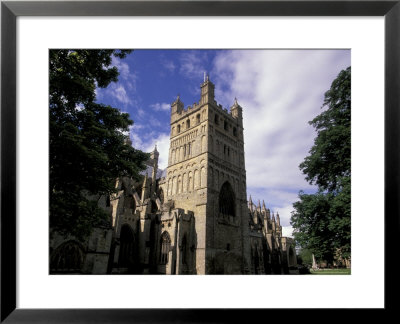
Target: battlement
178,110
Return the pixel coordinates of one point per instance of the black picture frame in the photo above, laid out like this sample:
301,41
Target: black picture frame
10,10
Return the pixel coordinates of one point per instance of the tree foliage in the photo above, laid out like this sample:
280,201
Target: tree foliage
88,149
321,221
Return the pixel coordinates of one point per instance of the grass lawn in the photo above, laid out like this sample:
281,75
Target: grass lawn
331,272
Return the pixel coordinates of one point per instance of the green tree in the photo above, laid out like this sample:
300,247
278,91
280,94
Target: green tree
88,149
321,221
304,257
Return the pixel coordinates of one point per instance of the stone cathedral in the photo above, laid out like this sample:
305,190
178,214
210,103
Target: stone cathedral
193,217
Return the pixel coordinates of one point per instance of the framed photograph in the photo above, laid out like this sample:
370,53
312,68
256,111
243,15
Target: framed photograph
239,36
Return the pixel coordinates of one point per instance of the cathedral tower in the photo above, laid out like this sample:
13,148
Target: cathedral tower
206,176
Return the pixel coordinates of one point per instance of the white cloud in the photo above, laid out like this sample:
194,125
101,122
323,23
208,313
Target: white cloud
169,65
160,106
287,231
280,92
119,93
148,142
192,64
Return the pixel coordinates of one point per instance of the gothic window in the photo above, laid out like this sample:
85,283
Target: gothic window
174,186
179,184
127,241
165,247
190,182
225,125
227,200
216,119
169,187
203,144
234,131
203,177
189,149
184,183
196,179
188,124
68,257
198,119
178,128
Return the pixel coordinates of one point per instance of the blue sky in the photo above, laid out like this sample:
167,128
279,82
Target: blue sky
279,90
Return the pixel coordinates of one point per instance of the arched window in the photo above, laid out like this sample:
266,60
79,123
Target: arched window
216,119
227,200
203,177
198,119
188,124
178,128
190,182
179,184
68,257
165,242
225,125
196,179
127,241
203,144
234,131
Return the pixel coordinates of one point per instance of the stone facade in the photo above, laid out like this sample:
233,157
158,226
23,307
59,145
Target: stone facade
195,219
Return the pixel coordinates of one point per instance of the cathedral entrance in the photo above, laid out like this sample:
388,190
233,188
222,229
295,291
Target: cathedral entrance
126,250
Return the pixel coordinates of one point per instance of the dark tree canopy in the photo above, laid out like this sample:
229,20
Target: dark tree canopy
88,149
330,156
322,221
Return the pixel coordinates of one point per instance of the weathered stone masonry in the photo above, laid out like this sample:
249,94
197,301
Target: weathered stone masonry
196,218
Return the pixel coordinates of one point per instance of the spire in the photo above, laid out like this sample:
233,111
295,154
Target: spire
236,111
207,91
263,206
278,220
177,106
250,204
259,205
